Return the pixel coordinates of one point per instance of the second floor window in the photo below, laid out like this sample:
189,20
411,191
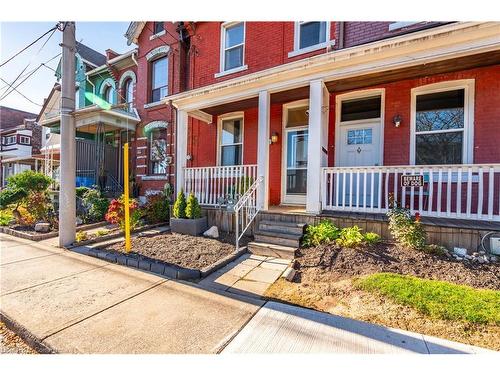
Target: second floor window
129,93
24,140
109,94
9,140
233,44
157,27
159,79
311,34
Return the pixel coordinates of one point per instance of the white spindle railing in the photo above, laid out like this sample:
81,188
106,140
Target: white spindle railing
209,184
469,191
245,211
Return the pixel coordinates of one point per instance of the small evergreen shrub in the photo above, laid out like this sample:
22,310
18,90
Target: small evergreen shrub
81,190
193,209
406,230
435,249
323,232
350,237
180,206
156,209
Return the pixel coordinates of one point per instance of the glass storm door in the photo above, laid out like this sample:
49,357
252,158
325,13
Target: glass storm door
296,166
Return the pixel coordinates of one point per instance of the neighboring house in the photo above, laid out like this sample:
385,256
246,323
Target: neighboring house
326,117
104,116
20,142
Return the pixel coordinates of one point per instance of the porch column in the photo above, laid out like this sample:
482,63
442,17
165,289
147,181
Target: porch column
317,146
263,149
181,149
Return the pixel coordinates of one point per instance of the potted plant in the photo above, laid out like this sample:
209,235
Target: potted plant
187,216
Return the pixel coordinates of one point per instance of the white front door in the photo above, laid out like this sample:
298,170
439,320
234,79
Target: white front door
360,144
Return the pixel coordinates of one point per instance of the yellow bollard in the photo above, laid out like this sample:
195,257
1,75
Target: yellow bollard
126,200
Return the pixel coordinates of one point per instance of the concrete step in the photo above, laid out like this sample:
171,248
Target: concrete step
282,227
272,250
282,239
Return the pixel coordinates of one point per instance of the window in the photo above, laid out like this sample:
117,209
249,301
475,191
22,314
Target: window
233,45
157,27
311,33
24,140
9,140
231,142
361,109
129,93
439,127
158,151
109,94
77,98
359,136
159,79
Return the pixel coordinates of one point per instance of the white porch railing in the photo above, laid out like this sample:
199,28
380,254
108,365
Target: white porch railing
210,184
245,211
449,191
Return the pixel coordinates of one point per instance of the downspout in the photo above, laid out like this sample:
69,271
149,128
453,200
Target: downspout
341,34
93,88
134,59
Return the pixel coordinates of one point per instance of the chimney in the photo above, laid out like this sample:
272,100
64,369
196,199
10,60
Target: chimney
110,54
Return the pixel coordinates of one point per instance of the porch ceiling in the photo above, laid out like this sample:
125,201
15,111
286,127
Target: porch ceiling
239,105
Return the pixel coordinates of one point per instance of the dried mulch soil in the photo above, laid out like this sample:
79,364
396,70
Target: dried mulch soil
332,263
10,343
182,250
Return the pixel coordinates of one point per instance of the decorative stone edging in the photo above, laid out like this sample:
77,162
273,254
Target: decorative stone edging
44,236
113,235
169,270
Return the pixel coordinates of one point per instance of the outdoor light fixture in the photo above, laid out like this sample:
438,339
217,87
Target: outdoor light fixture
274,137
396,120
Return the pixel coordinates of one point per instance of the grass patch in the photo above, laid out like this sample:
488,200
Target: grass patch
437,299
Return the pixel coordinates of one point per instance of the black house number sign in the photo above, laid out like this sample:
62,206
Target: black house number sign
412,181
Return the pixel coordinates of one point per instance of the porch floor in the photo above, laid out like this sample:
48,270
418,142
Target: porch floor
284,209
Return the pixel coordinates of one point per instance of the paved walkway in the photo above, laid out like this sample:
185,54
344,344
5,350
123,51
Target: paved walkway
249,275
72,303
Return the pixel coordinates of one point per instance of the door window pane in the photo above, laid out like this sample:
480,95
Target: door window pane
312,33
359,136
360,109
296,181
296,173
158,151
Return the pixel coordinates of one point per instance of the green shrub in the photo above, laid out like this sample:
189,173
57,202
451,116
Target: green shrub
193,209
437,299
180,206
29,181
81,190
372,238
323,232
406,230
156,209
102,232
11,196
95,204
81,236
350,237
6,217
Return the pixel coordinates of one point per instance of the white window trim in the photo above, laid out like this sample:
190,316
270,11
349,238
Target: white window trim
230,116
157,35
359,94
223,27
468,131
7,138
149,167
108,82
399,25
296,40
151,62
21,137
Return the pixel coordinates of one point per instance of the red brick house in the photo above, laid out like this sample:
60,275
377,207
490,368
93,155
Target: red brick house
326,117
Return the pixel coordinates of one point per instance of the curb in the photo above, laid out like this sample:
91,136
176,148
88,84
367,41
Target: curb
30,339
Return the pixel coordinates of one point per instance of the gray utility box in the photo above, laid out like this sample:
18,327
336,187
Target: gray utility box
193,227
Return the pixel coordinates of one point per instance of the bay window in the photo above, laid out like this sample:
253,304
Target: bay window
231,141
159,79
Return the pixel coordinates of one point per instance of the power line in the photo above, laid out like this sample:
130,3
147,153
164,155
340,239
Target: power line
28,76
20,93
29,63
29,45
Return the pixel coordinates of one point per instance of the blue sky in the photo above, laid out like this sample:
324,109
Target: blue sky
16,35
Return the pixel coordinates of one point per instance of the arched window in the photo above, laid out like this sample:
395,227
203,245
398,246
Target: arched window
109,94
129,93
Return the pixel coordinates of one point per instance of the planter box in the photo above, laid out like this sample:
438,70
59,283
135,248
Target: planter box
193,227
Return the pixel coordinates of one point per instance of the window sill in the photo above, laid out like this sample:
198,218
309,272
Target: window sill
154,104
157,35
227,72
400,25
154,177
316,47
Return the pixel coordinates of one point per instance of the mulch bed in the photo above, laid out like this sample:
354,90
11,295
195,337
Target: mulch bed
10,343
333,263
182,250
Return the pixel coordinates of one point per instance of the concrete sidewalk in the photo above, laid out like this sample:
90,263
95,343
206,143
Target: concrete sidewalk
71,303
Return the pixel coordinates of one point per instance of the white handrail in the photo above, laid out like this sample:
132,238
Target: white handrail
468,191
245,210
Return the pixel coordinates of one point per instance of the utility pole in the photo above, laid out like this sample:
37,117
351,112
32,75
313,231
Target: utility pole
67,192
